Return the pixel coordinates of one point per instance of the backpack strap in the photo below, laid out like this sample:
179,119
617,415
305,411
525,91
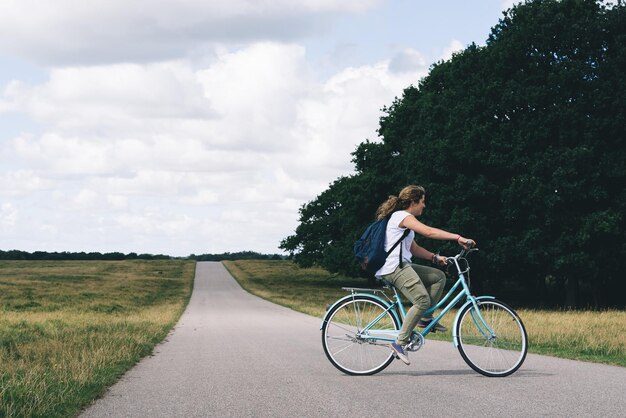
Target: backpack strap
404,235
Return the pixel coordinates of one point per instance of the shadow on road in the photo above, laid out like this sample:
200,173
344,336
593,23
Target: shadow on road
463,372
429,373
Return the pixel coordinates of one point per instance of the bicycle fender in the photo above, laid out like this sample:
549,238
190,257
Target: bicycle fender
455,338
348,297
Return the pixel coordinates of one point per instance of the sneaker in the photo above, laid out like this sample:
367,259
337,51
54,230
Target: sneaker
423,323
400,353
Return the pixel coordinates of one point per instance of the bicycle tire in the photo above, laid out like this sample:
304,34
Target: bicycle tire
489,356
346,349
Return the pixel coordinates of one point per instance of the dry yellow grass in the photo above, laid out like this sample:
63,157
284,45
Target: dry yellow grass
583,335
69,329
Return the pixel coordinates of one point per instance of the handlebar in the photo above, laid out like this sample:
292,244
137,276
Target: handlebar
465,252
460,256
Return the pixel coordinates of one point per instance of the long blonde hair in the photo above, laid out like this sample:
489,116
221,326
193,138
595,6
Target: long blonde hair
402,201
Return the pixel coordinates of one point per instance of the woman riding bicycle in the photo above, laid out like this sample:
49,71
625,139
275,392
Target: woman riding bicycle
421,285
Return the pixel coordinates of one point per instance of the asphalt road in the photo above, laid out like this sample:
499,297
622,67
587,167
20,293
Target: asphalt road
235,355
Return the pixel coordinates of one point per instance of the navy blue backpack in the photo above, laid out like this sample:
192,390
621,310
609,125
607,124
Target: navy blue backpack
369,250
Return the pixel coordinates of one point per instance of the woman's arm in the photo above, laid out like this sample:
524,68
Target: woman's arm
420,252
424,254
413,224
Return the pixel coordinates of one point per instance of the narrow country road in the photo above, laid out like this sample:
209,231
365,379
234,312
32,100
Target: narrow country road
235,355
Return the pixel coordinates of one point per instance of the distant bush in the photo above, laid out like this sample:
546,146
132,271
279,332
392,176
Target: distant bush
242,255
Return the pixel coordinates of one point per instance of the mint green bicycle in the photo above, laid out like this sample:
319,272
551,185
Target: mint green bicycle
357,329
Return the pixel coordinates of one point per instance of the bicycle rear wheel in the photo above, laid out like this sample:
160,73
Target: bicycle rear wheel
351,344
496,355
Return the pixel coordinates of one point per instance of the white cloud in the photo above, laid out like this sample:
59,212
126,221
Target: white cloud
104,97
175,159
117,202
64,156
8,215
454,46
256,89
507,4
408,60
22,182
151,222
105,31
86,199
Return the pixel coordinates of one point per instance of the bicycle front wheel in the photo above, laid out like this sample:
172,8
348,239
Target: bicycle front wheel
494,355
357,334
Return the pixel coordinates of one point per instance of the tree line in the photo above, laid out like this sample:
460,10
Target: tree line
66,255
520,145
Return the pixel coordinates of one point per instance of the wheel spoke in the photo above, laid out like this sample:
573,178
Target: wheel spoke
340,339
345,347
344,328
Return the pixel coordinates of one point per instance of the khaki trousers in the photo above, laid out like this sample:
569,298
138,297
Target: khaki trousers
422,286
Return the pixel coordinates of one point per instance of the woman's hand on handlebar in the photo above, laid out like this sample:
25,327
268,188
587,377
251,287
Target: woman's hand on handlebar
466,243
440,260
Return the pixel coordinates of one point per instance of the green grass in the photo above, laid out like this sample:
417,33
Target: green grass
303,290
581,335
70,329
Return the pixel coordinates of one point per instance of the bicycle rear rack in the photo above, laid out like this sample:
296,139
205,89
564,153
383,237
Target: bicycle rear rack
355,290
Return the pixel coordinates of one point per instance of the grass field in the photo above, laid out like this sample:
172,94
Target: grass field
582,335
69,329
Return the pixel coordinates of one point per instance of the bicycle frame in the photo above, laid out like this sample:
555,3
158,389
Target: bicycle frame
395,304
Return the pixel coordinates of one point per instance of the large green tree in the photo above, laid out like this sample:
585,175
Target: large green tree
520,145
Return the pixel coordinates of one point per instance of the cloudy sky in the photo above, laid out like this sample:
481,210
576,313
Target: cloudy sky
198,126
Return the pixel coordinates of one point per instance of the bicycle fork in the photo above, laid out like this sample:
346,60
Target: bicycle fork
477,317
